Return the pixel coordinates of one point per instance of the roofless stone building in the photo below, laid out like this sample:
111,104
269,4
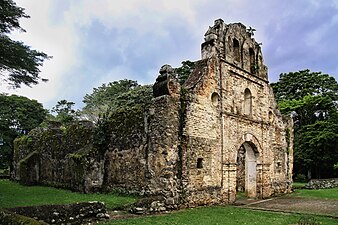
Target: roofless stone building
200,143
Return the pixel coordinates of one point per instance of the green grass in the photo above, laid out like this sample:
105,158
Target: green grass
240,195
298,185
13,194
228,215
331,193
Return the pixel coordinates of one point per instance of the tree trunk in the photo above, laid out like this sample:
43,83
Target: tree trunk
309,174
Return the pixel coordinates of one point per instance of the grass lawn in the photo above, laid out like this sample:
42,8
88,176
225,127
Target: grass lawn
13,194
298,185
227,215
331,193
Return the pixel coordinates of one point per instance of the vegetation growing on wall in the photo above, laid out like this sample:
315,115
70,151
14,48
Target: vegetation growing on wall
184,71
18,115
106,97
124,118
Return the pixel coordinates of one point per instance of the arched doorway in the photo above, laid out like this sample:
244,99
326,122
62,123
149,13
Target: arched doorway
247,170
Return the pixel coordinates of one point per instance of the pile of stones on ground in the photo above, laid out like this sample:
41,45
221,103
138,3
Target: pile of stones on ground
322,183
77,213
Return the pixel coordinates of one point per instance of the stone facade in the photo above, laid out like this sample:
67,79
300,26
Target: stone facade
202,142
232,124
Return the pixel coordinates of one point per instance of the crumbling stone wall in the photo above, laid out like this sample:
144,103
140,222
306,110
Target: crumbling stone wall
125,164
149,166
230,104
195,144
60,157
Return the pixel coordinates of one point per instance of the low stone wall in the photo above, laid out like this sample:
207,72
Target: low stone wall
77,213
322,183
7,217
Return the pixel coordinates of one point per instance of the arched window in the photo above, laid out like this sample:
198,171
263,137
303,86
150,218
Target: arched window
247,102
252,61
237,55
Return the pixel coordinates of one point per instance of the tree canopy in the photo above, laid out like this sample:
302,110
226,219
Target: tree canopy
114,95
64,112
19,64
297,85
311,98
118,110
184,71
18,115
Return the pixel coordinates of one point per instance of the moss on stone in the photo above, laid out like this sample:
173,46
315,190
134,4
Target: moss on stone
7,217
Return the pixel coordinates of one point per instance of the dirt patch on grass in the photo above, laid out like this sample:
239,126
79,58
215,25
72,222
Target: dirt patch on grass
298,204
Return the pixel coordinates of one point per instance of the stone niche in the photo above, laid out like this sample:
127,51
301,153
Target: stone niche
218,135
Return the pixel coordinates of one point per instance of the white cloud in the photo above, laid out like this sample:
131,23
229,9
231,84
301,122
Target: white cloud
153,32
139,15
58,41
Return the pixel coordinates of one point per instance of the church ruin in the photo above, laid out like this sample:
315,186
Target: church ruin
199,143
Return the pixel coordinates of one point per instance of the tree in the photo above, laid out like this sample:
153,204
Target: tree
311,98
106,96
65,112
297,85
317,148
19,64
18,115
184,71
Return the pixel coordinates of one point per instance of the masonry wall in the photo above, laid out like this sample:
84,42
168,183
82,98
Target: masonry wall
202,153
59,157
183,149
230,104
125,153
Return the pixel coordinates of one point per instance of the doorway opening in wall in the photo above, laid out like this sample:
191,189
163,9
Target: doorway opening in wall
246,184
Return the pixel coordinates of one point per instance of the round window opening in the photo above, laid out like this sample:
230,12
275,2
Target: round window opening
215,99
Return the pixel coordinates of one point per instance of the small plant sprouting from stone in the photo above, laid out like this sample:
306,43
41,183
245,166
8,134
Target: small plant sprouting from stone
335,166
307,220
251,31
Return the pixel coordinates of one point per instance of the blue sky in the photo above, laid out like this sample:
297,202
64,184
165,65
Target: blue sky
95,42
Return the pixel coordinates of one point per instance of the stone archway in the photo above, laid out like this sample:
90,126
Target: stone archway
246,175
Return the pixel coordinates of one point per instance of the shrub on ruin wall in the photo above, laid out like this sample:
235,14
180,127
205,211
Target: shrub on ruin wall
22,147
77,136
56,142
55,156
124,121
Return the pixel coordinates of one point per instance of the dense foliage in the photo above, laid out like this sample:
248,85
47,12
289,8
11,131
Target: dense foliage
64,112
311,98
18,115
184,71
123,117
106,96
19,64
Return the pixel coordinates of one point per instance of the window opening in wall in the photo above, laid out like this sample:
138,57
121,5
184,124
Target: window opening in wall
270,117
214,99
199,163
253,66
237,54
279,167
247,102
